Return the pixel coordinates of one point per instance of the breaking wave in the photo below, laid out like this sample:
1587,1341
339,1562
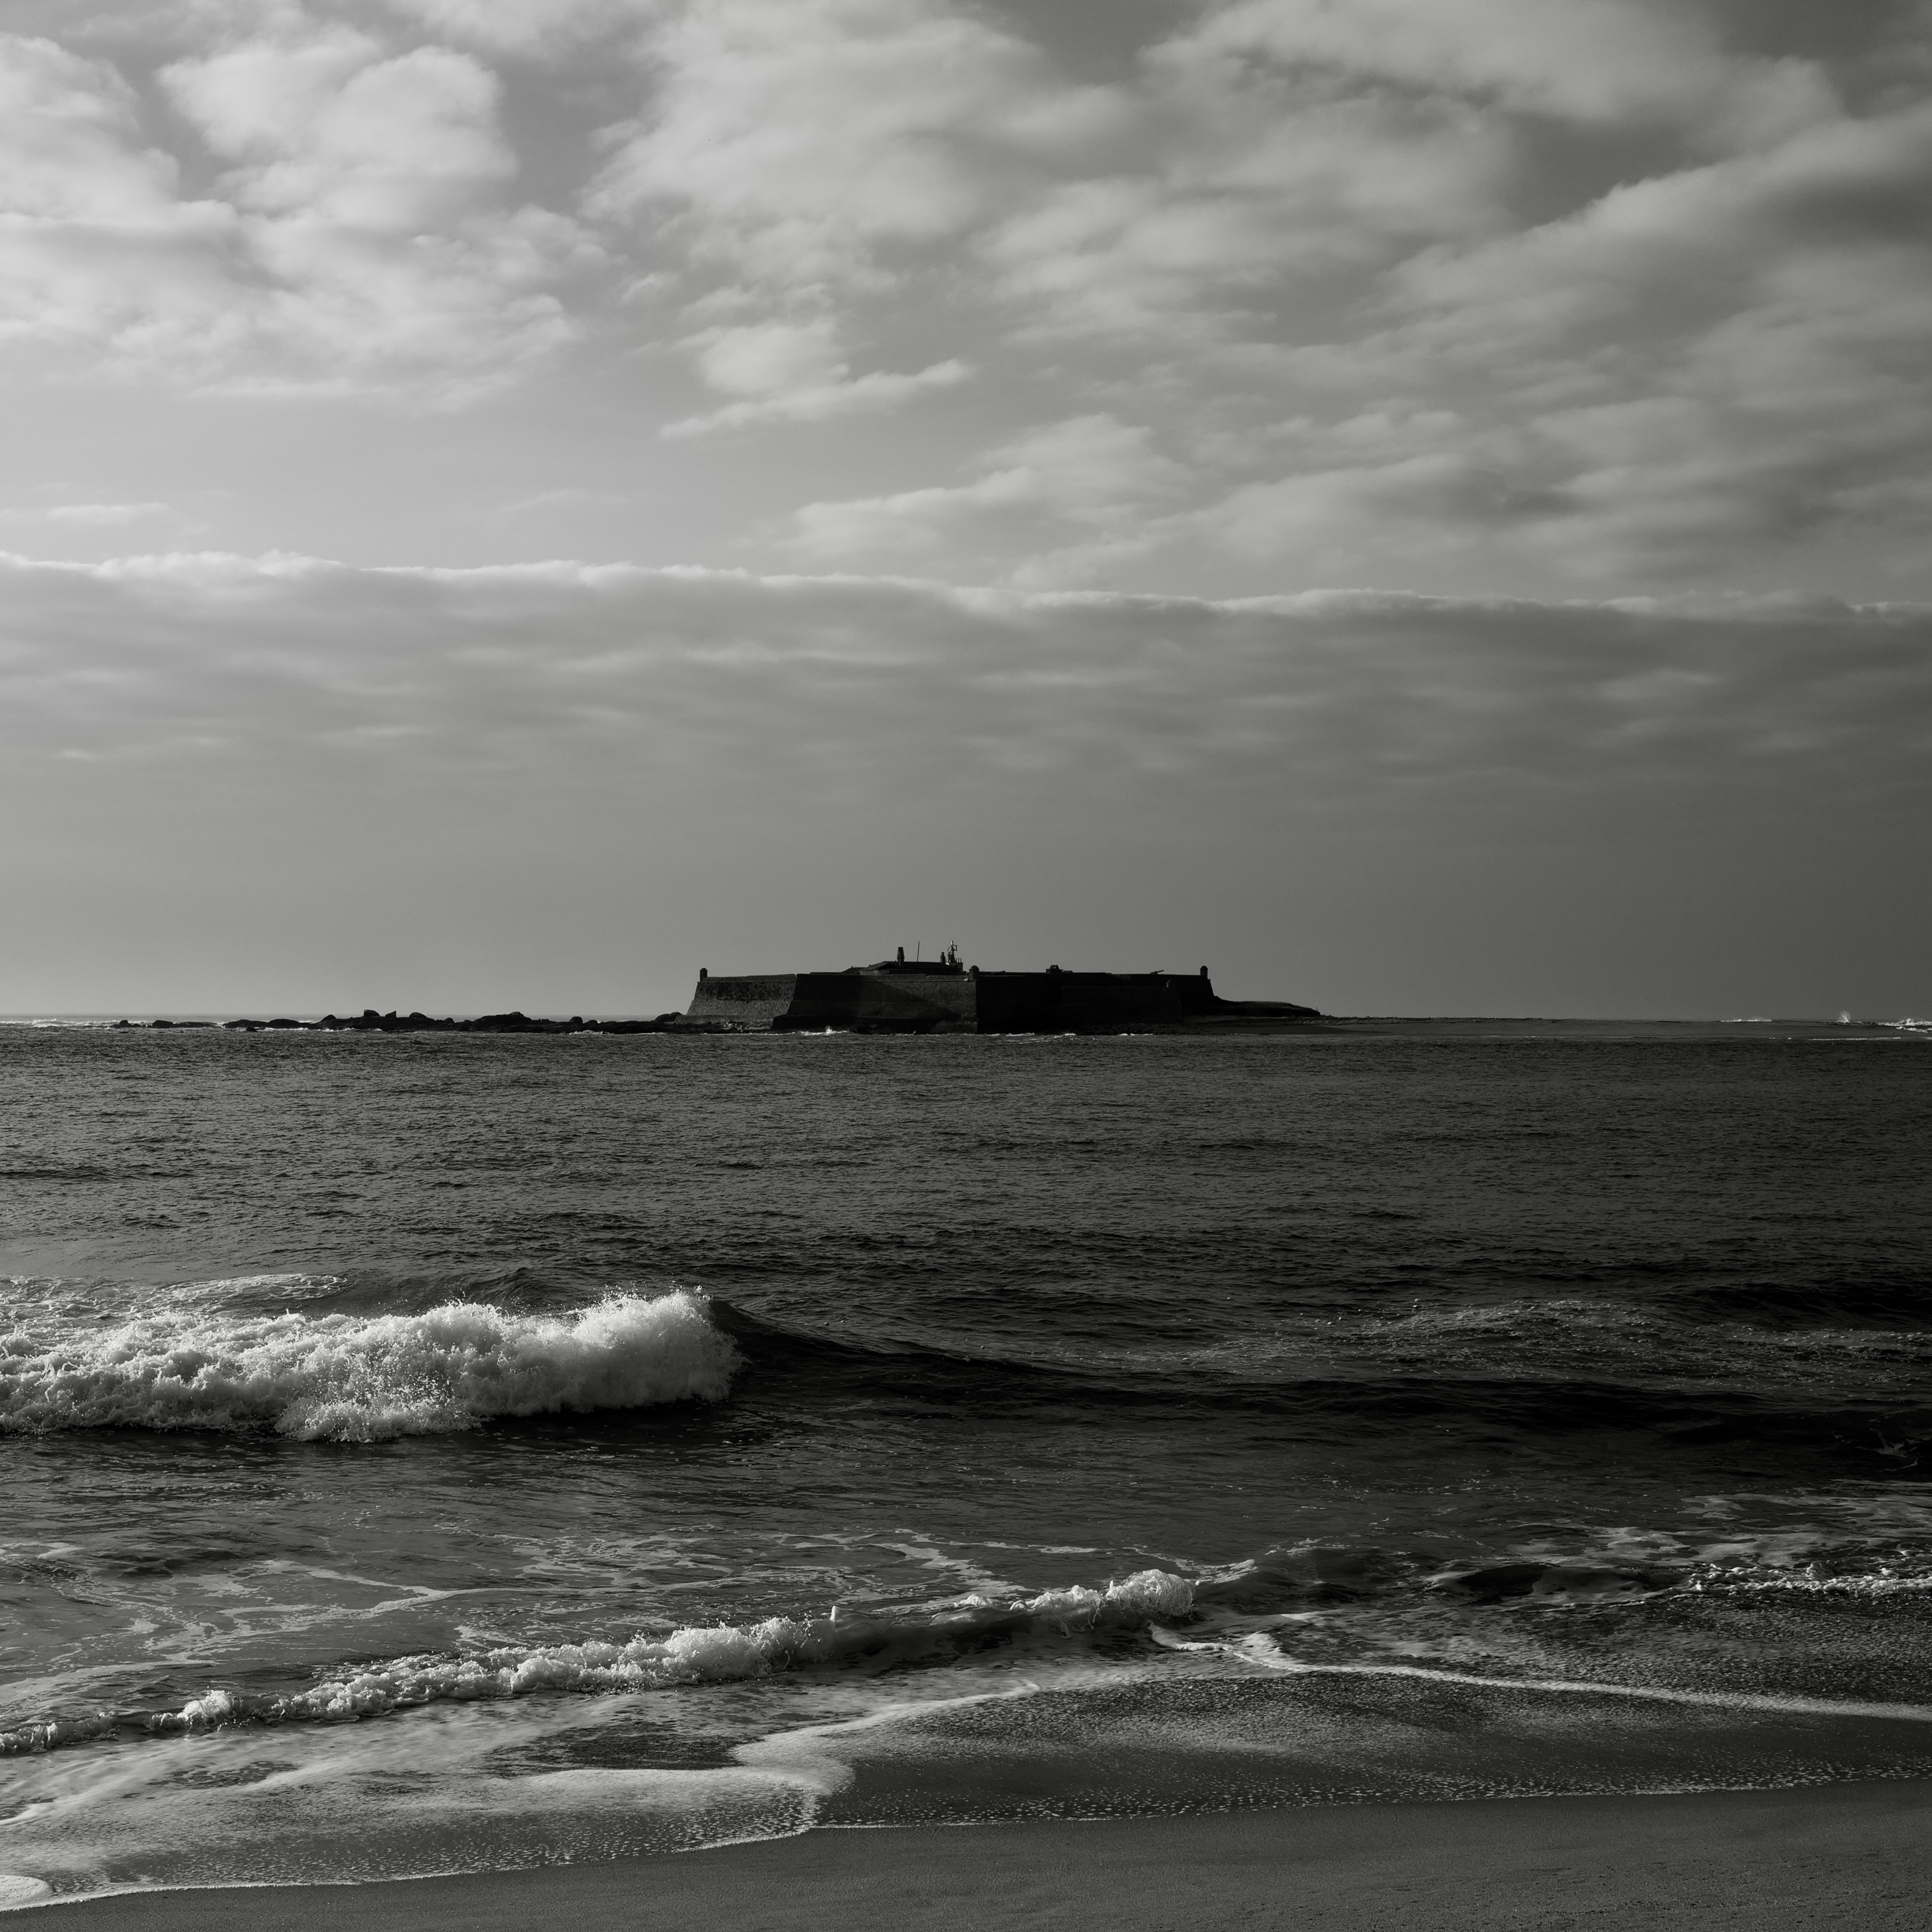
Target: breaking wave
358,1378
705,1653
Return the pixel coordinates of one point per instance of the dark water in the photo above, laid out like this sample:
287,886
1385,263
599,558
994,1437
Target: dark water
649,1442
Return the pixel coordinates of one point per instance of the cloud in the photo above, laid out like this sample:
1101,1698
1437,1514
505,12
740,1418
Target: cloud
817,156
328,128
104,515
1633,363
1699,366
1600,293
96,242
1093,473
1591,61
359,236
1287,149
1252,192
512,783
551,30
795,372
802,140
1343,693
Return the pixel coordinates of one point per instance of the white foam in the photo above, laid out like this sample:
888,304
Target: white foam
355,1379
453,1791
26,1739
1259,1648
1139,1598
697,1653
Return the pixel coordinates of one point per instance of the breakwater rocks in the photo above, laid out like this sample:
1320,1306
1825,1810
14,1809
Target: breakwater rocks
370,1021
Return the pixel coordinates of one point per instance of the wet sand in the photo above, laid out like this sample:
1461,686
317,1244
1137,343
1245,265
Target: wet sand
1852,1854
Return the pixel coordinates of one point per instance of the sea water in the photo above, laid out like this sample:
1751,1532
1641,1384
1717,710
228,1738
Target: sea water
434,1453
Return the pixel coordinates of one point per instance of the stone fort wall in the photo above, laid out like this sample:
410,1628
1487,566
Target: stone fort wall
909,1001
752,1004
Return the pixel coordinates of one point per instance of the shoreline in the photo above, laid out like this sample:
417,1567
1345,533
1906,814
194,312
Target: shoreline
1234,1026
1856,1853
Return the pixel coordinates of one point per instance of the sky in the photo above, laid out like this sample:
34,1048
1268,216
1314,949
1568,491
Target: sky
1420,505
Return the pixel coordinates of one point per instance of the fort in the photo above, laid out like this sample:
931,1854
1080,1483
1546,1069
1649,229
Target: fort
900,995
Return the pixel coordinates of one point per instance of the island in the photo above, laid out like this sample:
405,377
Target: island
896,995
902,995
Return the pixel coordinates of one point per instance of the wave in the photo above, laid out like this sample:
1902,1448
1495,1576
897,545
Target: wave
355,1379
233,1355
704,1654
1535,1369
1260,1611
1257,1648
1814,1561
1876,1300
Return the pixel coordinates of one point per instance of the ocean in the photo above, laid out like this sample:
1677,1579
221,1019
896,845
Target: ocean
449,1454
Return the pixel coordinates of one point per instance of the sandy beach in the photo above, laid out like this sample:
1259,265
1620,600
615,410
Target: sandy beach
1852,1855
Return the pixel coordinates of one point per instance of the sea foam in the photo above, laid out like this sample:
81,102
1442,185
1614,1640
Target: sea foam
705,1654
355,1379
696,1654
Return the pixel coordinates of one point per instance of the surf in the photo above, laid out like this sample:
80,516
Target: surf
360,1379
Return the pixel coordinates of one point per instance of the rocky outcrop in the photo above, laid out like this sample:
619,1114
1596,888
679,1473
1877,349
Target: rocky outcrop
370,1021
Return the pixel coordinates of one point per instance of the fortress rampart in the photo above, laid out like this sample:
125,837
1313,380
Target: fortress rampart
899,996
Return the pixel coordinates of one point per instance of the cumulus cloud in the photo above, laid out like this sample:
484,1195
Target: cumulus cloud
361,232
819,152
326,127
94,236
1253,193
1695,367
1617,293
1631,362
1285,143
802,140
